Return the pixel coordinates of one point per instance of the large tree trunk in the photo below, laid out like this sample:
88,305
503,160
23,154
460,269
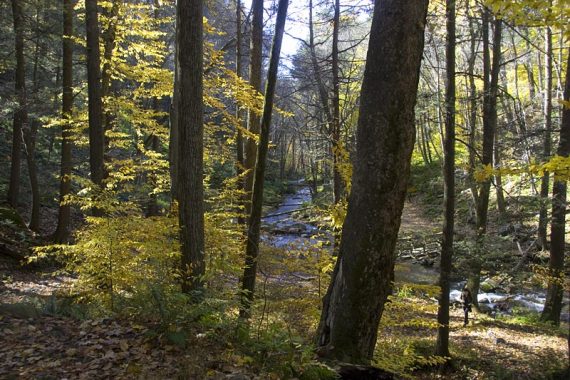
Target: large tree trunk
253,124
254,222
553,304
360,285
191,143
96,132
547,142
20,113
490,80
442,346
61,233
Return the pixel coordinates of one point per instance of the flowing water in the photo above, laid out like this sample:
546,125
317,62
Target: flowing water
282,230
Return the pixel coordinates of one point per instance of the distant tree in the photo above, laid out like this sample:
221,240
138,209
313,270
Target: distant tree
96,131
491,71
335,132
553,305
442,347
109,40
190,117
254,222
20,114
253,123
361,280
61,233
547,139
239,166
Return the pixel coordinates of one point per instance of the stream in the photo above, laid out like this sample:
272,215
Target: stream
282,229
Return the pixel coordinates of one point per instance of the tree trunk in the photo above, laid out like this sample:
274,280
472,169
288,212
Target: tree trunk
547,142
191,143
96,132
61,233
20,113
360,285
254,222
253,124
553,305
491,78
442,346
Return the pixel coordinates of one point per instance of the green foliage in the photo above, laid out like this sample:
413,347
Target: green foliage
277,349
404,357
318,371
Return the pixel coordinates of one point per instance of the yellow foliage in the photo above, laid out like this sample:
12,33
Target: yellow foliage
554,13
557,165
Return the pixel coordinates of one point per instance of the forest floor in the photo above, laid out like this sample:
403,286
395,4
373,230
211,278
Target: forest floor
38,340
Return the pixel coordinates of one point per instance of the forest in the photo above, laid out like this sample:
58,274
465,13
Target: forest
317,189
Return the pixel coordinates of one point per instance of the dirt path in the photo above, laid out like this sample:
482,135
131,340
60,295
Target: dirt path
414,221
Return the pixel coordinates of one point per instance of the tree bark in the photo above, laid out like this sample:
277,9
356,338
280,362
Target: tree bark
360,285
253,124
491,78
191,143
61,233
96,131
547,141
442,345
254,222
553,305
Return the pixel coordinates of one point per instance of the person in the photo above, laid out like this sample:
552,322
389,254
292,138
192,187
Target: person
467,301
